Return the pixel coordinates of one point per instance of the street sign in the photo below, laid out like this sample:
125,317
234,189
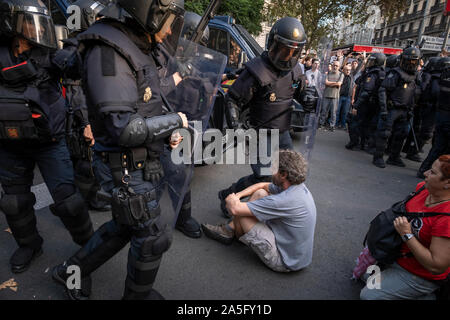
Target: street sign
434,43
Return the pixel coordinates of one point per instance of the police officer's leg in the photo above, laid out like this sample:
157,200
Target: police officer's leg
148,243
261,169
440,142
354,123
372,130
17,201
383,132
427,128
57,170
399,134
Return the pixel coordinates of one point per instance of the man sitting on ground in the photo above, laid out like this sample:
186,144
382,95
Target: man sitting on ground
279,220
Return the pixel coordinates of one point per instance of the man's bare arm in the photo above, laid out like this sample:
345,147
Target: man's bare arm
252,189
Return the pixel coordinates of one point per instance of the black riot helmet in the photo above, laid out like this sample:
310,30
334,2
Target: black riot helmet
29,19
432,65
376,60
392,61
285,43
90,10
409,59
443,63
153,15
191,21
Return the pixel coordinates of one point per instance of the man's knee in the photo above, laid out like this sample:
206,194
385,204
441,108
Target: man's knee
259,194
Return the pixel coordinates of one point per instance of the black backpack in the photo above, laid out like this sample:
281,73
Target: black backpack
382,239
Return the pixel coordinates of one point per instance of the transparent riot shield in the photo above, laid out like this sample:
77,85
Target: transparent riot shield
202,70
308,110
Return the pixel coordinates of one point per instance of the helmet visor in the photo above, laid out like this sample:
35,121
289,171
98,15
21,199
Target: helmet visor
285,54
36,28
170,32
409,65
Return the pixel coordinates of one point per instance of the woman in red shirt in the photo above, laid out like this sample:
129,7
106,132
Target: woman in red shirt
426,260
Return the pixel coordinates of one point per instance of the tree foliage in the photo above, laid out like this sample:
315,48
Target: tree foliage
248,13
319,17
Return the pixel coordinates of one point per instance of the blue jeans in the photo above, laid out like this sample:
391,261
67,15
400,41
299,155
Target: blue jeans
329,105
341,115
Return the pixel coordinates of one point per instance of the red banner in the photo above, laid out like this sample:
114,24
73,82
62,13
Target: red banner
447,8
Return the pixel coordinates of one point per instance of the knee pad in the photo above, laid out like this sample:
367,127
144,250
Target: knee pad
74,215
157,243
15,204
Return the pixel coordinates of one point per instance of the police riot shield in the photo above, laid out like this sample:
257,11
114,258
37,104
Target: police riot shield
307,111
201,70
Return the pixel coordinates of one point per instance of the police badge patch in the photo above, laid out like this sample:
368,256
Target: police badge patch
147,94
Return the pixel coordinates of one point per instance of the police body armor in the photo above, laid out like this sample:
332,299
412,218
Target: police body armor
273,96
370,82
443,102
402,97
31,104
147,80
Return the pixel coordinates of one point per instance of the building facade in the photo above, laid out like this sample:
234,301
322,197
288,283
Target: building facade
404,28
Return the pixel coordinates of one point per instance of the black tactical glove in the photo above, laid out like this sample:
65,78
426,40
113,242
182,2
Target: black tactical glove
383,115
185,69
153,170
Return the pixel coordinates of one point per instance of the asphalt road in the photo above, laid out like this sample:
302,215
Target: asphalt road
348,191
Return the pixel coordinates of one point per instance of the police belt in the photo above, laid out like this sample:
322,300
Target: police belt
131,160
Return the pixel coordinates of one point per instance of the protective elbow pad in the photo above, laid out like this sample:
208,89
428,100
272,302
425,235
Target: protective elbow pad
135,133
161,127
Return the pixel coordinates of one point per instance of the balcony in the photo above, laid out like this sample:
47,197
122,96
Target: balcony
435,28
437,7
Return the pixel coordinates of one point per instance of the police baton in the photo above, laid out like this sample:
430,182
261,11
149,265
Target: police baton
414,134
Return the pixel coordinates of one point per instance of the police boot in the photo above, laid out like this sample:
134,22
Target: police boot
395,161
378,161
61,275
414,157
352,146
185,223
19,212
74,215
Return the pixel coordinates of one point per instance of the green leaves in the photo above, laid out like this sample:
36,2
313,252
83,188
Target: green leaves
249,13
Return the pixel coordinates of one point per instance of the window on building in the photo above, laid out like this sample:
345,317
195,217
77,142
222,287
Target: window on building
411,26
415,8
432,21
402,28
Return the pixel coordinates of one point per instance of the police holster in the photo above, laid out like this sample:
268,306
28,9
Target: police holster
130,209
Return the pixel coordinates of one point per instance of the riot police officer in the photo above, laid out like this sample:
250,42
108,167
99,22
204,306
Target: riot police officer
79,133
268,85
396,102
425,111
32,114
125,110
441,139
365,108
391,62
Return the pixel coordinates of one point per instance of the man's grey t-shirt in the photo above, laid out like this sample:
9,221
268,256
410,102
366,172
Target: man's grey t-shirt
333,92
291,215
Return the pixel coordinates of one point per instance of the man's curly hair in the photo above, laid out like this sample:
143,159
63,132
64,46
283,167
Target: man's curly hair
294,165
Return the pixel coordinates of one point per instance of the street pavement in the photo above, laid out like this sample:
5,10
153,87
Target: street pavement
348,190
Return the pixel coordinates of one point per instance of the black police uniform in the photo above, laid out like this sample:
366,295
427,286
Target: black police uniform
362,127
32,123
125,111
424,114
267,92
397,99
77,121
441,138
